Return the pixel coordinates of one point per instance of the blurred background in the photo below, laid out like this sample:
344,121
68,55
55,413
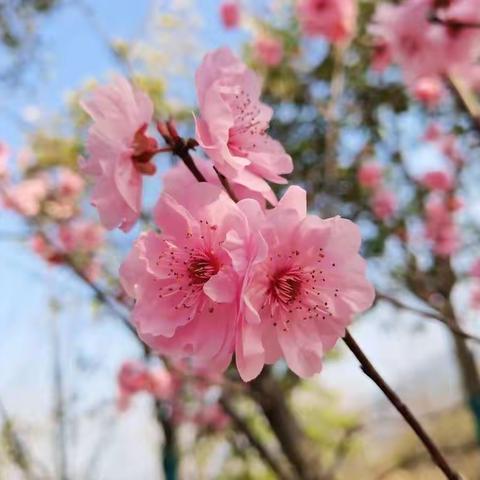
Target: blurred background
71,402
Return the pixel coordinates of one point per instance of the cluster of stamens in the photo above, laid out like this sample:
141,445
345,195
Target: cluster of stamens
246,123
189,268
295,291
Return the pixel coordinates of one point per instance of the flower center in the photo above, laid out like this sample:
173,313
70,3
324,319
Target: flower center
286,284
202,267
144,148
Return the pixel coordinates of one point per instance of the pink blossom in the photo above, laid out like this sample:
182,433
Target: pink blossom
422,48
298,299
433,132
447,143
183,280
230,13
132,378
437,180
119,151
45,250
268,50
81,235
332,19
162,384
428,90
233,123
178,179
370,174
475,270
384,204
212,417
381,55
440,227
27,196
69,183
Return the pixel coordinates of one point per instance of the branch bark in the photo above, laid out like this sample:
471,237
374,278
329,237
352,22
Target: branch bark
296,446
277,468
368,368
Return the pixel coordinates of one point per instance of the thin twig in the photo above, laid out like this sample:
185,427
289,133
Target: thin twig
226,185
372,373
429,315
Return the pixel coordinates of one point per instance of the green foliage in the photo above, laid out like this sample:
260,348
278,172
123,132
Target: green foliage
54,151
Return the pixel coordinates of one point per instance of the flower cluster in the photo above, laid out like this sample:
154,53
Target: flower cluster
383,201
441,204
225,277
332,19
49,200
169,386
427,40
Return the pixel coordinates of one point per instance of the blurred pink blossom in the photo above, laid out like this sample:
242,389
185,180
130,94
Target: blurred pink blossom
230,13
421,47
384,204
437,180
212,417
81,235
475,270
475,297
26,197
333,19
440,227
428,90
370,174
69,183
268,50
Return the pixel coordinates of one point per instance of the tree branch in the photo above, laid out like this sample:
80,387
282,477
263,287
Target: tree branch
466,99
277,468
368,368
429,315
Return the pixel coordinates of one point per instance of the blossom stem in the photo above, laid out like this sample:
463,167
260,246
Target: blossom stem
405,412
226,185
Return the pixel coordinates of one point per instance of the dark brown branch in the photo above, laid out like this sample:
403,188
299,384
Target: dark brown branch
454,24
418,458
371,372
454,328
226,185
180,147
264,453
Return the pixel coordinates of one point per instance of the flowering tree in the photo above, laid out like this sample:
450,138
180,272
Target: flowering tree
236,268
